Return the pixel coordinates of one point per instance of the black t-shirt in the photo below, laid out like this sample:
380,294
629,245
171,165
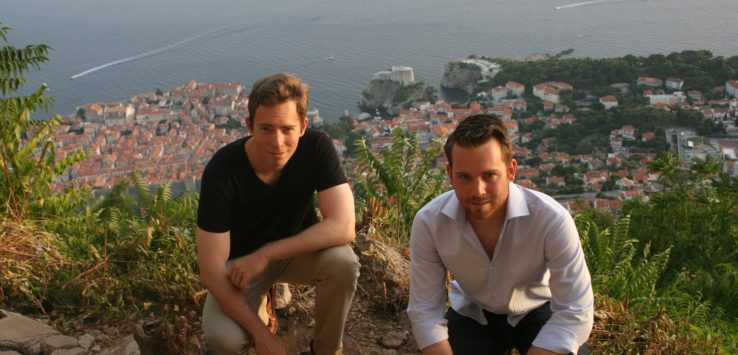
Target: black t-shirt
233,198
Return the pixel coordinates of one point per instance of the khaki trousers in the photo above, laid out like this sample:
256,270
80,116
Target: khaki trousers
334,273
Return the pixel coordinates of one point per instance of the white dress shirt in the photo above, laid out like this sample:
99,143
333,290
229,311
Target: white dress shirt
538,257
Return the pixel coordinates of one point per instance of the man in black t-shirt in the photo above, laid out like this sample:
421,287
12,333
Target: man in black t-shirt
257,225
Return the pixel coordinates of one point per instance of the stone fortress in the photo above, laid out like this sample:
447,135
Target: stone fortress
401,74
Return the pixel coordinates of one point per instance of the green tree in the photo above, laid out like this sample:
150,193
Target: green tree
667,165
392,187
705,168
696,216
28,163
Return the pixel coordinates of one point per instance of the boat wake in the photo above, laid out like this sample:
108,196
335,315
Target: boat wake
585,3
159,50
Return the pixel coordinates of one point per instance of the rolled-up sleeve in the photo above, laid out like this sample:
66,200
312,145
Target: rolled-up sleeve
427,287
572,300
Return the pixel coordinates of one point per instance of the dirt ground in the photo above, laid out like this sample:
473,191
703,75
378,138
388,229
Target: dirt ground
366,328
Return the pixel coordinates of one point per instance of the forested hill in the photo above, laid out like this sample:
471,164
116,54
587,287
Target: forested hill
701,69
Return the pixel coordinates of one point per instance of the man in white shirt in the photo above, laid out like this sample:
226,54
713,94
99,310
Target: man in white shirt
519,275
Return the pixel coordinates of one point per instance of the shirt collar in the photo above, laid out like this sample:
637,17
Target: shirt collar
452,208
516,205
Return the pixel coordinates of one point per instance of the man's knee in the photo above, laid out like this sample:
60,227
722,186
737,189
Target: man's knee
222,334
227,343
340,264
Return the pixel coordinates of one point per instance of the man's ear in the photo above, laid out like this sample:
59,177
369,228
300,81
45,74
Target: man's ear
512,170
449,171
303,126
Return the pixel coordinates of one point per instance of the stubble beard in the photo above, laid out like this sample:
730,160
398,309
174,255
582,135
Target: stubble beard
479,212
481,209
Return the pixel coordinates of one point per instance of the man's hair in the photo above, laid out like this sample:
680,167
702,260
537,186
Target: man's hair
476,130
276,89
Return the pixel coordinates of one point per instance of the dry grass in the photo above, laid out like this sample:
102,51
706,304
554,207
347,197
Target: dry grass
28,261
20,242
617,330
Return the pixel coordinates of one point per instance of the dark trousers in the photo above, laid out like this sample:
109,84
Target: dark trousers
467,337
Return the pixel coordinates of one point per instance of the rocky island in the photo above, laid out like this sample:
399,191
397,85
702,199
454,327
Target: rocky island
391,90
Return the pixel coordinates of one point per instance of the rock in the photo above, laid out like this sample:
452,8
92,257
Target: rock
21,333
31,347
393,340
56,342
16,328
124,346
131,348
86,341
384,271
72,351
460,76
110,330
103,338
282,296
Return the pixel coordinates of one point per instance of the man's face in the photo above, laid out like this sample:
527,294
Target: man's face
480,177
276,129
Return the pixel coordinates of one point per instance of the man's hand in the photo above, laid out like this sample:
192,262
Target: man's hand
245,268
269,345
540,351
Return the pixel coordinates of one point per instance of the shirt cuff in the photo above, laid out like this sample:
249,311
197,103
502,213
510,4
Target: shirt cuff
429,333
557,339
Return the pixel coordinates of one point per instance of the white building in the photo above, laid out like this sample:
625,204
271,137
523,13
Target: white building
674,83
609,101
649,81
93,112
676,98
152,114
401,74
233,89
222,106
694,94
515,88
546,93
119,111
731,88
497,93
314,117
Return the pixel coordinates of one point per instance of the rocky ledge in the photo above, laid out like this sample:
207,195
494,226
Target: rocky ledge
460,76
21,335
